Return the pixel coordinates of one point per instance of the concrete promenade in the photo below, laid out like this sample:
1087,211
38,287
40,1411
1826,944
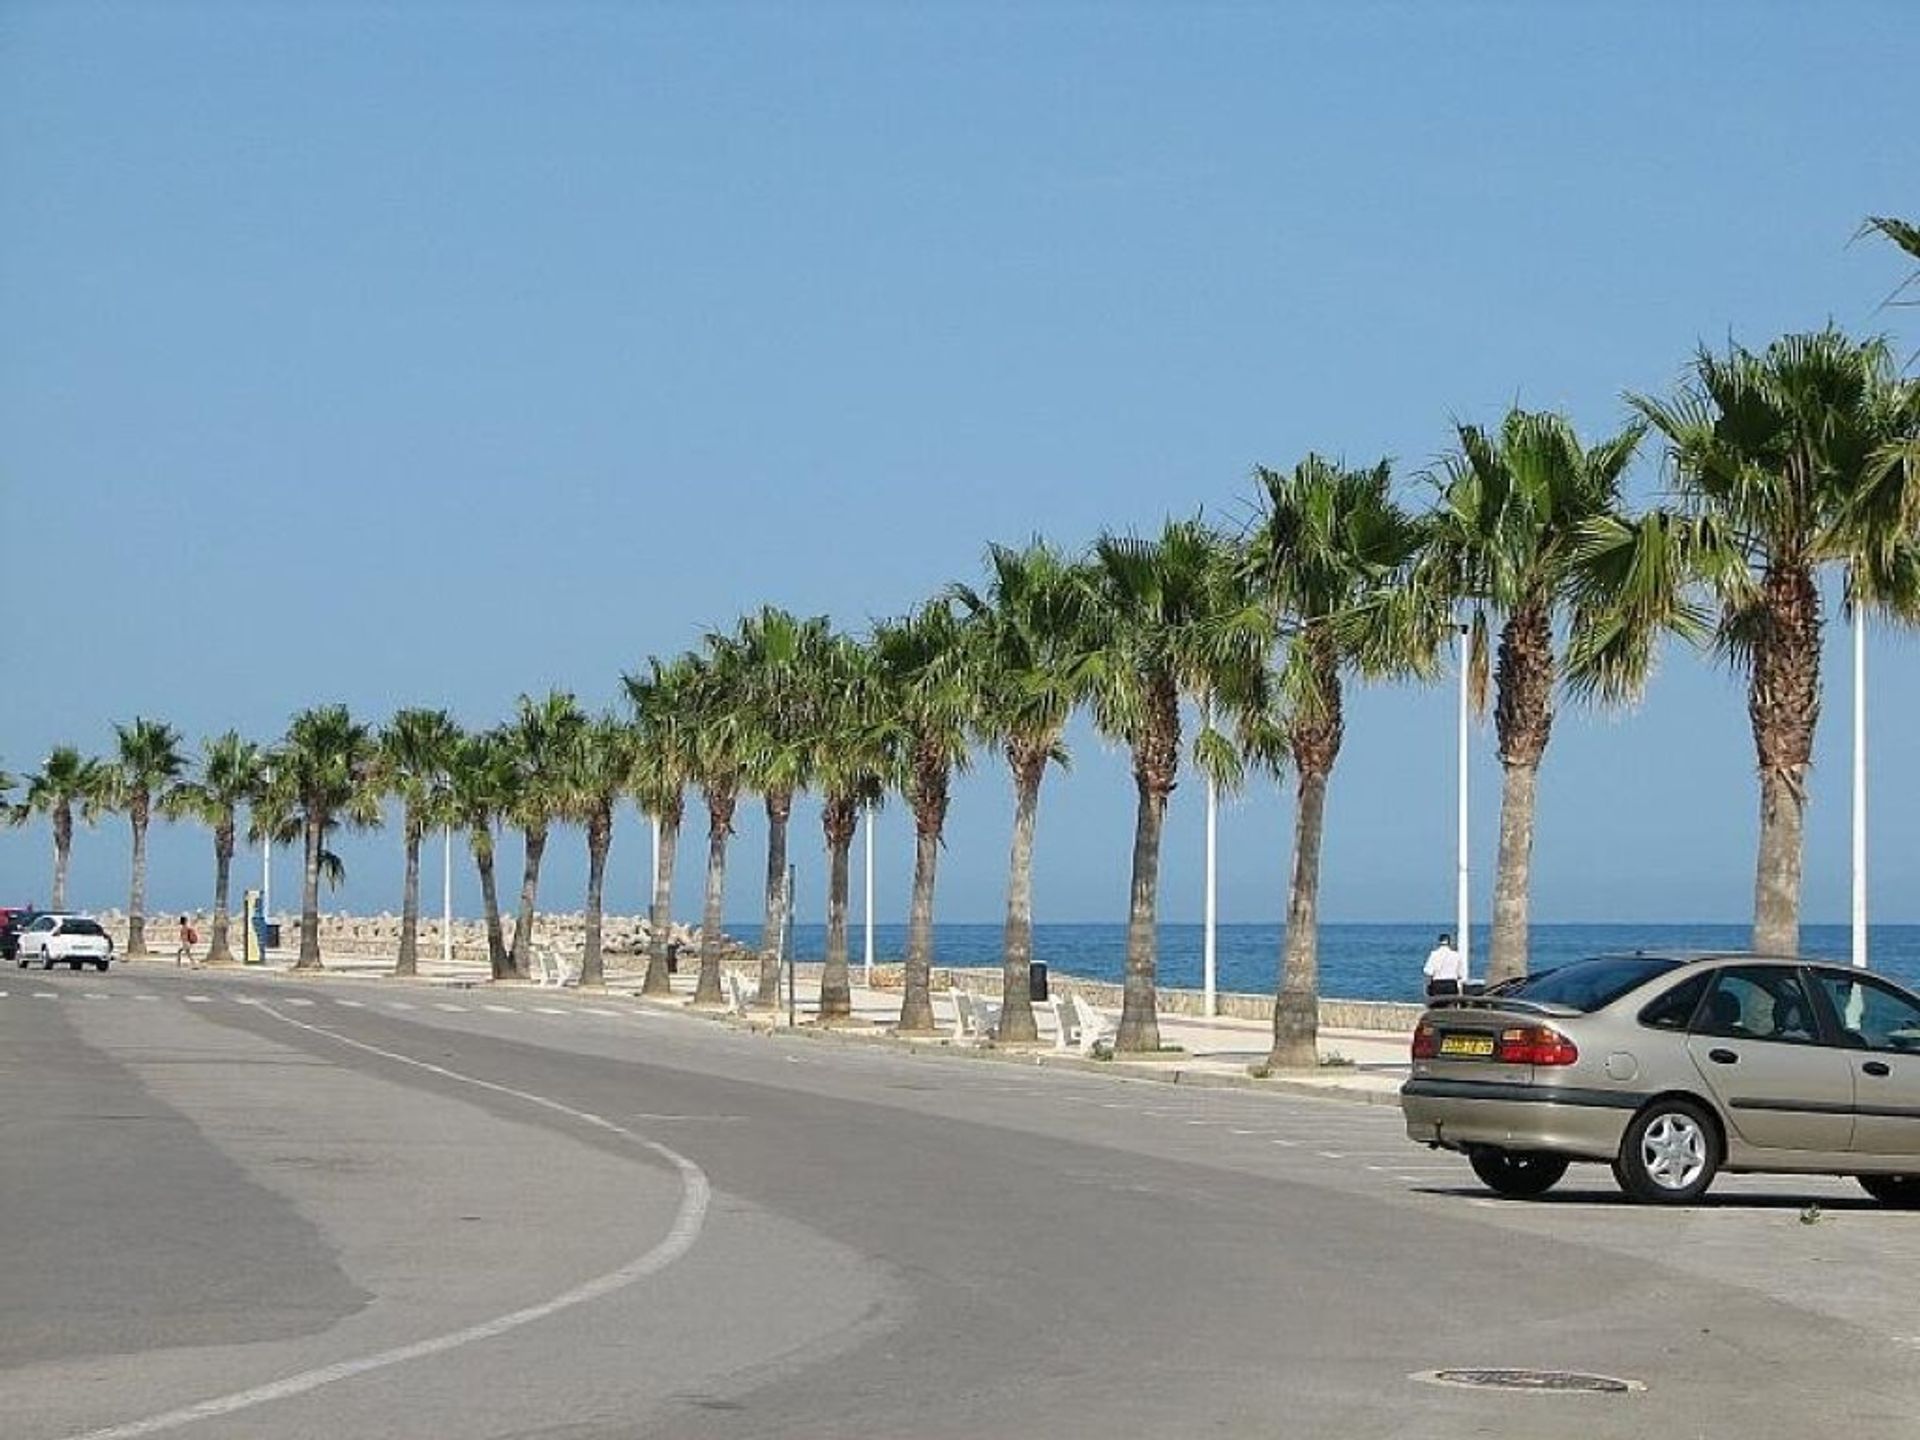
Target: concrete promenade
1219,1051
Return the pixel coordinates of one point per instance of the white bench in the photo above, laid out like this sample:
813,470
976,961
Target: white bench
1090,1027
973,1017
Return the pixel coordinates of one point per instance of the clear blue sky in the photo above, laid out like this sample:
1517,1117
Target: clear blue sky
429,354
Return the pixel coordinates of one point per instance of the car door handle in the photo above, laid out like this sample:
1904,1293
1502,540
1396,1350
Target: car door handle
1877,1067
1723,1057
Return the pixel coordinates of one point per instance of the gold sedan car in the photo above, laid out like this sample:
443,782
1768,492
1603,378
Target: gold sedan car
1672,1068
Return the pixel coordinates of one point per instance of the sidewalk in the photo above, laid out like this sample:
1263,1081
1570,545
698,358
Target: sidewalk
1223,1051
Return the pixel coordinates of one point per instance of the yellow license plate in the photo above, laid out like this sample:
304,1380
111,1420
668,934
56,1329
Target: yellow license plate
1476,1046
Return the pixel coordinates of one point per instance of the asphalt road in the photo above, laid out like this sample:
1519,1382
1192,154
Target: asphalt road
237,1206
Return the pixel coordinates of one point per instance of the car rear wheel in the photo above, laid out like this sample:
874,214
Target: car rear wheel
1517,1173
1900,1191
102,964
1669,1154
46,961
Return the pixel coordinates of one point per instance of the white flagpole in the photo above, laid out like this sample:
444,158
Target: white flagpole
446,899
1463,918
1859,785
868,917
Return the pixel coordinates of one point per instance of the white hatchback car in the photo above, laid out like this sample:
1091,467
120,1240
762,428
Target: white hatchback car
72,940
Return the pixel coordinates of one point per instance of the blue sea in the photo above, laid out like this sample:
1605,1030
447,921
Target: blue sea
1360,962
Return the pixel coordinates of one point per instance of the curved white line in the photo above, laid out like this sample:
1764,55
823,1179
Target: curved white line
694,1198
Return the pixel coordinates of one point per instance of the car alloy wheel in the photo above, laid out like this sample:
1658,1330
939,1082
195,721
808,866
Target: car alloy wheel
1669,1154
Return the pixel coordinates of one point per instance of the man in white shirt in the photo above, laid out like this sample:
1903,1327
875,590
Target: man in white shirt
1446,969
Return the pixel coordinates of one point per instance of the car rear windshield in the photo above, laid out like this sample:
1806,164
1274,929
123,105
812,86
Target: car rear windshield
1588,985
81,927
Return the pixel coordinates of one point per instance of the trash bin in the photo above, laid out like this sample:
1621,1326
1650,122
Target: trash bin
673,957
1037,983
272,927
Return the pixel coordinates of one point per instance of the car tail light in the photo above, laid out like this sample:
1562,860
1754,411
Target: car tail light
1426,1041
1535,1045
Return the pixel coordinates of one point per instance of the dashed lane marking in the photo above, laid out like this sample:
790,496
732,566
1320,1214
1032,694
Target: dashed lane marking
198,999
46,994
296,1000
501,1009
146,997
595,1010
449,1005
352,1004
548,1010
399,1005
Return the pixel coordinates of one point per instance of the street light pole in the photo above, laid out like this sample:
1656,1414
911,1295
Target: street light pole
1859,785
867,919
1462,916
1210,1004
446,899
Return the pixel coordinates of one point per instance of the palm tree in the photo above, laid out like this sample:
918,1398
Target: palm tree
850,759
1903,233
65,779
1515,511
1786,459
718,753
148,761
597,770
323,768
663,759
415,757
1027,628
929,691
1163,620
542,735
481,779
231,773
775,651
1332,553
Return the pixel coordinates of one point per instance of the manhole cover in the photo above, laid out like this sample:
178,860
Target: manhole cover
1557,1382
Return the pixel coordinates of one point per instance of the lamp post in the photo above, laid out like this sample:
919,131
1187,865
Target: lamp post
1859,785
446,898
1462,917
867,918
1210,1002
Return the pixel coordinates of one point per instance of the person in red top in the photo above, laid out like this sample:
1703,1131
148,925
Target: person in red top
188,939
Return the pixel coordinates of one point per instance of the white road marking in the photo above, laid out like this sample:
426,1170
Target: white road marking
198,999
449,1005
1330,1155
501,1009
548,1010
46,994
96,995
399,1005
296,1000
695,1195
1290,1144
352,1004
592,1010
137,997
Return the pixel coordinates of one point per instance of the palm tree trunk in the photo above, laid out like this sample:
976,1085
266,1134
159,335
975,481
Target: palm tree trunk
137,899
839,818
1016,964
1139,1009
773,926
599,840
836,989
529,888
409,961
1296,1006
660,918
310,897
219,951
498,958
916,1005
1776,888
1783,705
712,916
62,852
1513,879
1523,717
